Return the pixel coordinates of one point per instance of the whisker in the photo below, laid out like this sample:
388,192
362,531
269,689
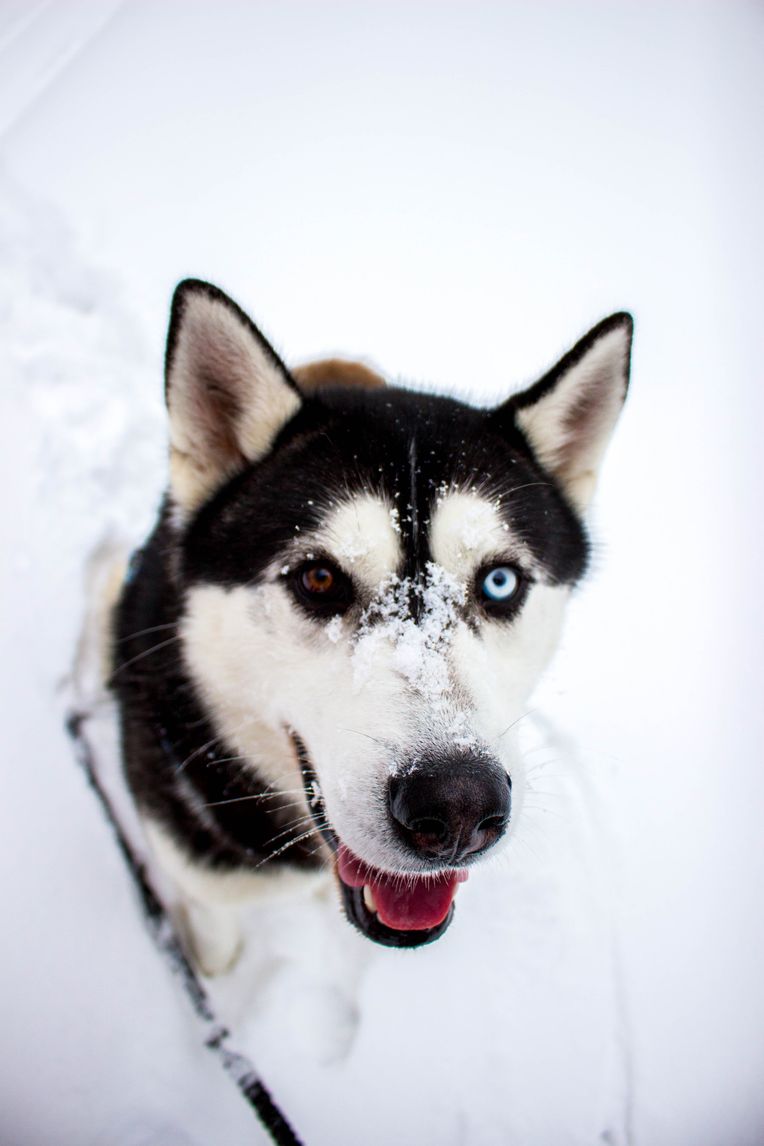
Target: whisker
530,777
145,653
527,485
536,748
514,722
383,743
543,792
216,740
540,765
546,811
533,825
289,844
290,827
198,752
520,839
259,796
320,849
145,632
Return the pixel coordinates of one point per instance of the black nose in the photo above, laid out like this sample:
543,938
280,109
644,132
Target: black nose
450,808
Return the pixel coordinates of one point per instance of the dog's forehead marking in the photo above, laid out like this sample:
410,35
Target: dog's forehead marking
363,534
468,529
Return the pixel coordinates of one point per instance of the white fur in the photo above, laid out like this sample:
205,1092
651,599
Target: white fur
571,447
210,886
370,691
216,353
208,914
467,530
263,668
360,536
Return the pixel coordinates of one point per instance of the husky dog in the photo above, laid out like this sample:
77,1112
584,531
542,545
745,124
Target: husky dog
321,651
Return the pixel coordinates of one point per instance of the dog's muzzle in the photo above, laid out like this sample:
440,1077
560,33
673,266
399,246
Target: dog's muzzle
445,814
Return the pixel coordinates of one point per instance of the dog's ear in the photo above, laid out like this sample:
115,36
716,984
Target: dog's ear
228,393
569,415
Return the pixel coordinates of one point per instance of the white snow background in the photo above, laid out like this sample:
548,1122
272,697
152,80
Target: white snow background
456,192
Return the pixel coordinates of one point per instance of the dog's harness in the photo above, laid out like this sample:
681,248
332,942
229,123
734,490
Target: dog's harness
162,931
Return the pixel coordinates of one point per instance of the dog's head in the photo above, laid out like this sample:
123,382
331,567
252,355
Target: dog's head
373,581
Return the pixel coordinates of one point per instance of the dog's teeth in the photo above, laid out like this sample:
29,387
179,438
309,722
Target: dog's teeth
368,899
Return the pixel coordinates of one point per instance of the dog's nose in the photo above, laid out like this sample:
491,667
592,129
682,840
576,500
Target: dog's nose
451,808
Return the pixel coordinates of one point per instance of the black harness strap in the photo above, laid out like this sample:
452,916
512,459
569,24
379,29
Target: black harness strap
236,1065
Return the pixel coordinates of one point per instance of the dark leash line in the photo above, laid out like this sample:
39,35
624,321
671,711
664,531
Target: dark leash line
162,931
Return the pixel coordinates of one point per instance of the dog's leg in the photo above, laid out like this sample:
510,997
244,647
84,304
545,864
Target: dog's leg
209,900
207,904
211,934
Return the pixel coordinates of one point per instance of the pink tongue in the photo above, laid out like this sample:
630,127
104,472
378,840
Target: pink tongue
404,902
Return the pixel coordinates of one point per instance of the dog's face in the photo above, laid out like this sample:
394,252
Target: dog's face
373,582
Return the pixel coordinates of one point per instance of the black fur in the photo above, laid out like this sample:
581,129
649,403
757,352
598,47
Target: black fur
179,772
527,397
404,446
360,441
340,441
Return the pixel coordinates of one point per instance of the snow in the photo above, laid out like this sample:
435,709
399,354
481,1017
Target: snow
333,629
458,198
419,644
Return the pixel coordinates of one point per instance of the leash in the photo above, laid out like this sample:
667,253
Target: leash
162,931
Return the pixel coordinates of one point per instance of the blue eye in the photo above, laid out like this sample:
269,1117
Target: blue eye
500,584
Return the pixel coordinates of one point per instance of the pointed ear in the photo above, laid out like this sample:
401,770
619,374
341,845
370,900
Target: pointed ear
569,415
228,393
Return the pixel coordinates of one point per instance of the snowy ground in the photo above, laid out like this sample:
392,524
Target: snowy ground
455,192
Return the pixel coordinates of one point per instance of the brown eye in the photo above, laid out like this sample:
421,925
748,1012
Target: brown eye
321,588
317,579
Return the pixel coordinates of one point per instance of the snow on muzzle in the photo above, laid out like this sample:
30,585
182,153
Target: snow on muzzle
446,814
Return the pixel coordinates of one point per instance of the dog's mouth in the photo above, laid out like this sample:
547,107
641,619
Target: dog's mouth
393,908
396,909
